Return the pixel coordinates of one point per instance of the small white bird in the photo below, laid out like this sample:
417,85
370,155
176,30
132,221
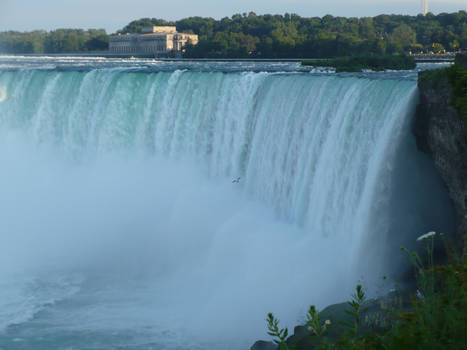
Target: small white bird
237,180
3,94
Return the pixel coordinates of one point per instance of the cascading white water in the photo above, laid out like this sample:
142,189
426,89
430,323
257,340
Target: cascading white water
281,133
117,193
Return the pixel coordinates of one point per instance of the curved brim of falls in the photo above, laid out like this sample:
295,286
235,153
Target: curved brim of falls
173,210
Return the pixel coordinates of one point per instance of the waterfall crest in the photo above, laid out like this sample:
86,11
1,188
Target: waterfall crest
305,145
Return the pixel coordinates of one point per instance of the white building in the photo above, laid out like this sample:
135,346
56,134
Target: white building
155,41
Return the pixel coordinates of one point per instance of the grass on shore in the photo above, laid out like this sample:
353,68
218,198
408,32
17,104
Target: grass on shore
359,63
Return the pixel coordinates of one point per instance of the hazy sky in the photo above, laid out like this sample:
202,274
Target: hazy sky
114,14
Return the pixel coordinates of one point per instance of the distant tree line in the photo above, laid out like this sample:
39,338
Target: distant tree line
273,36
57,41
278,36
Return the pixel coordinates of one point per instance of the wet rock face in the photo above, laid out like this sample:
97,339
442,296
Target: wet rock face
264,345
443,135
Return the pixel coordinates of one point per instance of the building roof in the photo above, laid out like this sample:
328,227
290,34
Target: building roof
158,29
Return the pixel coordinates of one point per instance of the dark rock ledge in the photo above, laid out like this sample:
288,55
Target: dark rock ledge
442,134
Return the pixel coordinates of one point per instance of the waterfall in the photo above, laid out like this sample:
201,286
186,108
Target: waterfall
112,170
304,145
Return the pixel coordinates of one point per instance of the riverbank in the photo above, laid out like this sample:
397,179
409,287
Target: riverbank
360,63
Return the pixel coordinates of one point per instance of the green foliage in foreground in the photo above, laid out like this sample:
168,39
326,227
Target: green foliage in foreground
279,335
435,316
358,63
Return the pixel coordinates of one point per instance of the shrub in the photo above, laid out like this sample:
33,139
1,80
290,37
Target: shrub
358,63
